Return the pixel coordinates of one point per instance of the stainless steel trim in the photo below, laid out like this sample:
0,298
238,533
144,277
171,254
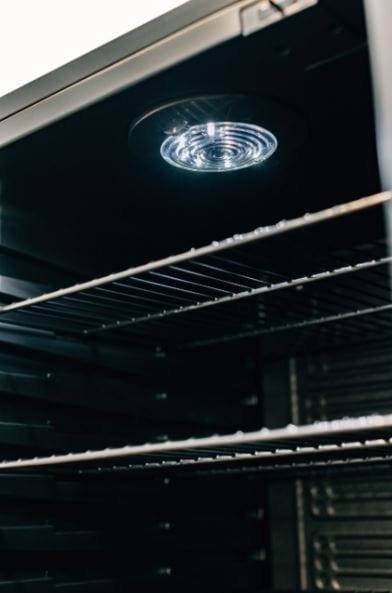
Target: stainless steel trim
216,28
379,23
107,54
294,6
259,15
266,12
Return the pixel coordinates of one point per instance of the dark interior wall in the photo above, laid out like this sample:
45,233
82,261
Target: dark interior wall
61,395
87,533
66,533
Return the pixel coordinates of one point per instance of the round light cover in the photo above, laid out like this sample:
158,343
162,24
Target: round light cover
219,146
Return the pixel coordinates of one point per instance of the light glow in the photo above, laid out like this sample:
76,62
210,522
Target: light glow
211,128
219,147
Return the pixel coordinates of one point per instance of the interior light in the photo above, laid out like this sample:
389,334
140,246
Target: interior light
219,146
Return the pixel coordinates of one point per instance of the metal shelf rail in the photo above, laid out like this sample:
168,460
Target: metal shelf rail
237,287
333,440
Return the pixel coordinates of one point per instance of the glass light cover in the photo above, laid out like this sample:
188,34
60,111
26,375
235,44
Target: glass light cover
219,147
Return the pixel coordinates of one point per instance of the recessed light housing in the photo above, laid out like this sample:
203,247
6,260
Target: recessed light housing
218,147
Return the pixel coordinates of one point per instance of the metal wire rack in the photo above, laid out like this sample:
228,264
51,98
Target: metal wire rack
290,275
367,436
350,460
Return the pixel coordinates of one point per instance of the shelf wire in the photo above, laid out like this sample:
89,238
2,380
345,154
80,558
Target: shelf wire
281,277
329,440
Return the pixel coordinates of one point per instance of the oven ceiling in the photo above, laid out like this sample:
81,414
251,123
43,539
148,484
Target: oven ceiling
77,196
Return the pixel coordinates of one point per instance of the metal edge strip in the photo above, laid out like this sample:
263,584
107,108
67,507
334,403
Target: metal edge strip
216,28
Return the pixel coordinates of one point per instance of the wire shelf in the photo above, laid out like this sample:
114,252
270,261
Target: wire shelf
350,460
290,275
328,440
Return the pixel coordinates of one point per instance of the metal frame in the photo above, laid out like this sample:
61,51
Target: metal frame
109,69
107,54
152,48
379,22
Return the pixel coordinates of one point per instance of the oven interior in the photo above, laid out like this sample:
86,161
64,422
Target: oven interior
278,337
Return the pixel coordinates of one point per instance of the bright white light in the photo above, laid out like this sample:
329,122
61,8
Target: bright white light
219,146
37,36
211,128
